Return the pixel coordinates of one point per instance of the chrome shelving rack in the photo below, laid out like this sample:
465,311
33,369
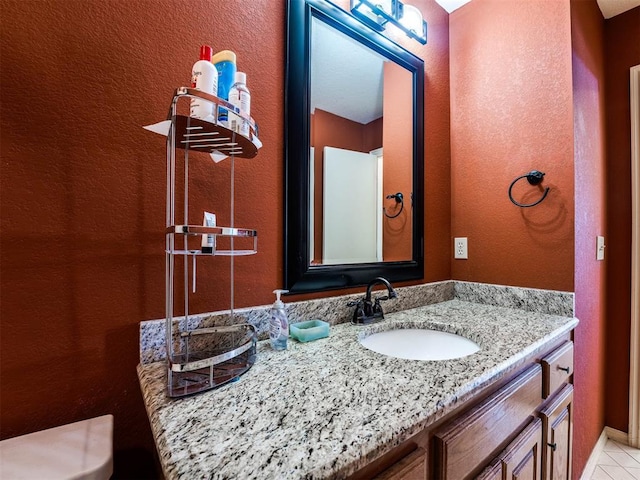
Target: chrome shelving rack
202,358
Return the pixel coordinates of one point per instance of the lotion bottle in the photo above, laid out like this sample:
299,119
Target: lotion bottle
240,98
278,323
204,77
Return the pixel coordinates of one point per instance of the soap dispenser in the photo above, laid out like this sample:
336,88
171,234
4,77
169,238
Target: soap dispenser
279,324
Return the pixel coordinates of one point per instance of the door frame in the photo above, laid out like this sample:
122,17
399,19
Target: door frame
634,378
378,153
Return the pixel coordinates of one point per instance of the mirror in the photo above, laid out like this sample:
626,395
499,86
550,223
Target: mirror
353,153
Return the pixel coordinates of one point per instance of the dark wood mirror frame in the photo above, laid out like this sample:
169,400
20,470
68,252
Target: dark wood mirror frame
300,276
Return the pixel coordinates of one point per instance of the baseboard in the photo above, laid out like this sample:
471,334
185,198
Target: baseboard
617,435
607,433
595,454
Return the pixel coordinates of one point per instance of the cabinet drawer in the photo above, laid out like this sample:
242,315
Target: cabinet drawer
557,367
464,445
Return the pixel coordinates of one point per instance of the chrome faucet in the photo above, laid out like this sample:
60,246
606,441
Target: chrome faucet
370,311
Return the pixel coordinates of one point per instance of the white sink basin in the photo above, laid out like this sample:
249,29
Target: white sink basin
420,344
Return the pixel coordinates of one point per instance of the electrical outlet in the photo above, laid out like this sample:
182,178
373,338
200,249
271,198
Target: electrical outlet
599,248
460,248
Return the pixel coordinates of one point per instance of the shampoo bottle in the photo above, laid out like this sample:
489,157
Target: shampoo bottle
279,324
225,64
240,98
204,77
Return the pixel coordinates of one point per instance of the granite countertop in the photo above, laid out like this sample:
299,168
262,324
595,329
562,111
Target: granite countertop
327,408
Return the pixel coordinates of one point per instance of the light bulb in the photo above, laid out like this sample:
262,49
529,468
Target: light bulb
412,19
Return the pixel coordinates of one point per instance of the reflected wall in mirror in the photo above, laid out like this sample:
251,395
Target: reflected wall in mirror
354,152
361,108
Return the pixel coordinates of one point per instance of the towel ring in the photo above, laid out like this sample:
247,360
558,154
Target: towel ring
534,177
399,199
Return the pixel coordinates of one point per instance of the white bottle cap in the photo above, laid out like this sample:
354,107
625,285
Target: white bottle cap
241,77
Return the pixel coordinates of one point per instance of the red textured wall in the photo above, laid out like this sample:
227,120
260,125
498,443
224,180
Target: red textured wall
589,151
511,112
397,164
622,51
83,187
372,135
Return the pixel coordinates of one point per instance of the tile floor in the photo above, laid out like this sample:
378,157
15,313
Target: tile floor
617,462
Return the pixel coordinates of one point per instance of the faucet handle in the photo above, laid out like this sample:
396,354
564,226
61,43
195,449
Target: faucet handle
391,295
359,313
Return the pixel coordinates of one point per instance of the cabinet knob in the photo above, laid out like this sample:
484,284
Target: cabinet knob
553,446
564,369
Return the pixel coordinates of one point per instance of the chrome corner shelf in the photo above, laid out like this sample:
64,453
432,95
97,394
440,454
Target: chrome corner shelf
217,232
199,359
229,351
208,136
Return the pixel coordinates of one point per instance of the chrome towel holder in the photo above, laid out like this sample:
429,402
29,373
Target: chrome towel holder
534,177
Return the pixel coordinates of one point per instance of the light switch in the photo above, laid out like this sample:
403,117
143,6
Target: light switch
599,247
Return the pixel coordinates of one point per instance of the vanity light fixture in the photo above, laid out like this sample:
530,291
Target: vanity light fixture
378,13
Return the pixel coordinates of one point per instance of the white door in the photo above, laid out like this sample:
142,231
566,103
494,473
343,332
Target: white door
351,207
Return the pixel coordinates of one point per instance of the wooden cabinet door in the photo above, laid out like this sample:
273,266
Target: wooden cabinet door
557,421
411,467
522,459
465,445
492,472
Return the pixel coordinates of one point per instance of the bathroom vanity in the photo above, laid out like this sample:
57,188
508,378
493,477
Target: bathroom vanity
334,409
518,428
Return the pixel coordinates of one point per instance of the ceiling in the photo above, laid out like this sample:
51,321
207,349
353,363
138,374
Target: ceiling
338,82
609,8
